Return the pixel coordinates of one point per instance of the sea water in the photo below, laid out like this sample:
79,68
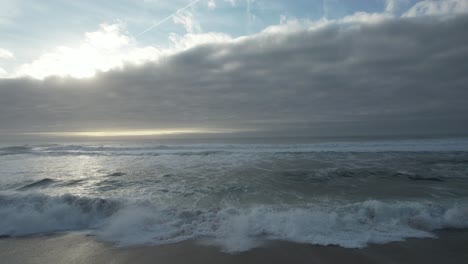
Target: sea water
237,195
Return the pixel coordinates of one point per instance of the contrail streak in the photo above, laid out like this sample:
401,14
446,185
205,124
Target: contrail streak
167,18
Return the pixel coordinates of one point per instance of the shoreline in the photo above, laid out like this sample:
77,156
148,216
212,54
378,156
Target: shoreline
449,247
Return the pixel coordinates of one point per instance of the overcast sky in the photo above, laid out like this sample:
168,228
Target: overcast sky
309,68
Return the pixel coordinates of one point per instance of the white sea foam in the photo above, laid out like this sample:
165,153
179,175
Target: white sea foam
234,229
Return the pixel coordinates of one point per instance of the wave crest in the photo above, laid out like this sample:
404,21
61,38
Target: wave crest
234,229
35,213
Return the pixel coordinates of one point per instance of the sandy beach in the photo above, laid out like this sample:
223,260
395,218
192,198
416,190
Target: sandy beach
450,247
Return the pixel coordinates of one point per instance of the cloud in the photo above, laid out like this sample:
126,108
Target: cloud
251,17
211,4
189,40
391,6
396,76
110,47
437,7
187,20
6,54
101,50
395,6
363,17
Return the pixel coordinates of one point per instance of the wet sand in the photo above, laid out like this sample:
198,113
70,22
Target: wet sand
450,247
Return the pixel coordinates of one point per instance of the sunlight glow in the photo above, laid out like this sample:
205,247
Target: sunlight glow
131,133
107,48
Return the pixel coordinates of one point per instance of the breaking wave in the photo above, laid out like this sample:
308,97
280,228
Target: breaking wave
126,222
11,150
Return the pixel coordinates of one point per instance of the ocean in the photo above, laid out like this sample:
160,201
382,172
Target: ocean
236,196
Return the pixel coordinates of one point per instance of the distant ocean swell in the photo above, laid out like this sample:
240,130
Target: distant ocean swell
206,149
125,222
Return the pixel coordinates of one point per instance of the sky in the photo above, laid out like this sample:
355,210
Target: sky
234,67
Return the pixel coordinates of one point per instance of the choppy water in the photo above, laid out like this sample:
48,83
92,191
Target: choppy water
239,195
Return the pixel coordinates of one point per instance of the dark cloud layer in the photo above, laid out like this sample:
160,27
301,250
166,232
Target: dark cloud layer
401,76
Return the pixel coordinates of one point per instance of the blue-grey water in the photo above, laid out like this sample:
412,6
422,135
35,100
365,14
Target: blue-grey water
237,196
